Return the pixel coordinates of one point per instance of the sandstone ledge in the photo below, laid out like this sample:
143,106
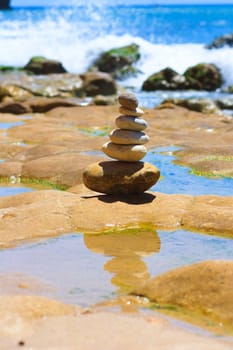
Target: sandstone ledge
48,213
35,322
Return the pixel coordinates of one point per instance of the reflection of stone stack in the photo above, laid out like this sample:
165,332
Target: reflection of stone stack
127,141
127,174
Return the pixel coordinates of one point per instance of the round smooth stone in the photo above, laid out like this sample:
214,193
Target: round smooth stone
114,177
137,112
125,153
128,100
128,137
130,123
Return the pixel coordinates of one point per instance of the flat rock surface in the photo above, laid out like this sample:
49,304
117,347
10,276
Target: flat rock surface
40,323
48,213
205,288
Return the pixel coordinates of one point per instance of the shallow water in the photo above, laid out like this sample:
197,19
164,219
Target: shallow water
86,269
178,179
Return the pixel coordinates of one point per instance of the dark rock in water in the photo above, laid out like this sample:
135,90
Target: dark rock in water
43,104
41,65
204,76
5,5
225,103
97,83
118,61
224,40
166,79
15,108
115,177
203,105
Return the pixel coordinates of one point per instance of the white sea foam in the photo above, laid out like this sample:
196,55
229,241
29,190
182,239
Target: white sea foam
76,45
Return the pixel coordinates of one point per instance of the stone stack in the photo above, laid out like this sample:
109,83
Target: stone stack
127,141
126,174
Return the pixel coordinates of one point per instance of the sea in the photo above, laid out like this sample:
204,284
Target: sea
168,36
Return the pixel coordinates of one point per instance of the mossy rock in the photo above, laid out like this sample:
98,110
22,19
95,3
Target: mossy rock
41,65
166,79
118,61
8,69
204,76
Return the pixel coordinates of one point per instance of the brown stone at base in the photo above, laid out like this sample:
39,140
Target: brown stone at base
115,177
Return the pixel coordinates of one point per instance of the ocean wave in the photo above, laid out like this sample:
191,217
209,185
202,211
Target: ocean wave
76,42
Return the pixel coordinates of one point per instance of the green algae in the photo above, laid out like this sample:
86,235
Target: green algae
96,131
32,182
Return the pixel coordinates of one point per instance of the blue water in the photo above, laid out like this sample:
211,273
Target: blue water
84,270
172,36
179,179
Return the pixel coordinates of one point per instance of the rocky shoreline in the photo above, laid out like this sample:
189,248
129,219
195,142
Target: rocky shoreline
53,140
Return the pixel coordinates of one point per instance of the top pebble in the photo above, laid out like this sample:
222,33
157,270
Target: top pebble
128,100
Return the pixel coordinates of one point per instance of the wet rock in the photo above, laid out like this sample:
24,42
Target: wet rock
120,177
97,83
225,103
43,104
204,288
100,100
204,76
41,65
118,61
166,79
14,107
202,105
221,41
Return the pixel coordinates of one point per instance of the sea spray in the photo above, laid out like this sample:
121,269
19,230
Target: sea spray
168,36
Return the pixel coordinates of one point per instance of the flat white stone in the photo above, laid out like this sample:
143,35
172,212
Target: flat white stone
128,137
137,112
125,153
130,123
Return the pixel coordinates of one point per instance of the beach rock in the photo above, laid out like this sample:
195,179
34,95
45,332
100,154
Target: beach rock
127,137
3,92
204,76
42,65
43,104
204,288
126,153
130,123
221,41
15,107
137,112
203,105
225,103
114,177
101,100
166,79
118,61
128,100
98,83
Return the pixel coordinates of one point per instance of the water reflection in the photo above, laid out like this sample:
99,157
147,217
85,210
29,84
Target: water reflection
126,249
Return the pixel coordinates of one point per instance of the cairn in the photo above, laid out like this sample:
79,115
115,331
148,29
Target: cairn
126,174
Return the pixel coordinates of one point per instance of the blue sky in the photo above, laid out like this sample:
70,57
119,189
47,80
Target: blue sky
144,2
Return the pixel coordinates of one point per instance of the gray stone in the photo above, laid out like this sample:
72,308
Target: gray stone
128,137
116,177
137,112
128,100
130,123
126,153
